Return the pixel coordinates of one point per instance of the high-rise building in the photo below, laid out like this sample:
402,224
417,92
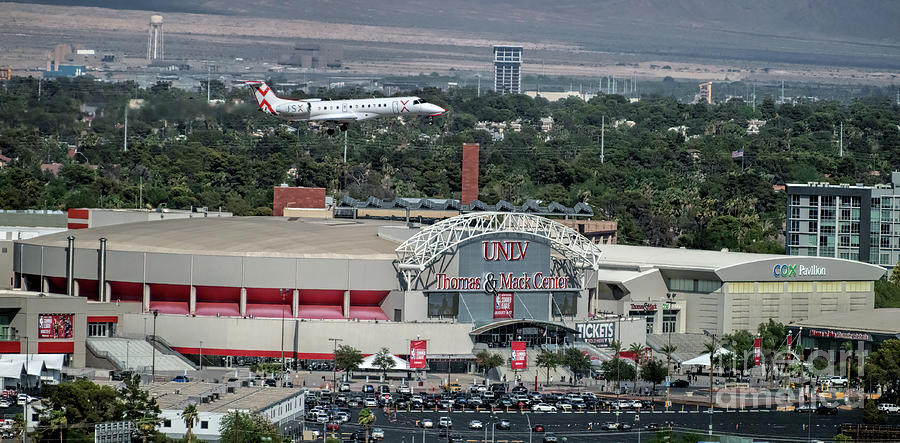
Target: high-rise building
845,221
507,69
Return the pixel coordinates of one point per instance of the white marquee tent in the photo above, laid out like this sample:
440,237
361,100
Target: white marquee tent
368,363
703,359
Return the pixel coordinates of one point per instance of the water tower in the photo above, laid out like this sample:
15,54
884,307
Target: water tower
156,47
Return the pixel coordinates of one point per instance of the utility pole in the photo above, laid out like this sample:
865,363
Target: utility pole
345,146
207,82
153,345
126,126
782,92
334,358
602,137
842,140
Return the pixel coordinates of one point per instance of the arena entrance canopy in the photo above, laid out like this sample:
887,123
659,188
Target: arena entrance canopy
431,243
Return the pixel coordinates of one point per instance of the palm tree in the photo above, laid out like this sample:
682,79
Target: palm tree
488,360
617,348
669,350
548,360
58,421
366,418
711,347
190,417
638,351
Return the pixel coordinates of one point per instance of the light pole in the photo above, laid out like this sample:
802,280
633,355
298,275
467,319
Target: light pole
712,367
201,355
529,427
334,365
153,345
282,335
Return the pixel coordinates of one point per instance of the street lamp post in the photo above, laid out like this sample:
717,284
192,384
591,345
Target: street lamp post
282,335
712,366
201,355
153,345
529,427
334,359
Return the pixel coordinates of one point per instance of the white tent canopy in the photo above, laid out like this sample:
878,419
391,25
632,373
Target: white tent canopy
704,360
399,363
51,361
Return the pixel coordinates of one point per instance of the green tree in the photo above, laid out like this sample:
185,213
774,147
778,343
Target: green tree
883,366
654,372
547,360
384,361
895,273
637,350
190,417
773,336
740,343
246,427
871,414
576,361
347,358
19,425
669,349
366,418
58,422
487,361
83,403
617,369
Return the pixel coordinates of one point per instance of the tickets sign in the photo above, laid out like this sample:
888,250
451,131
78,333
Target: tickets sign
519,355
417,352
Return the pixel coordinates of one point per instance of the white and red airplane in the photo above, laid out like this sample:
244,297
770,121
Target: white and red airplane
339,112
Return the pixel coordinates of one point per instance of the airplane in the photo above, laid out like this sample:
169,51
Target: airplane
339,112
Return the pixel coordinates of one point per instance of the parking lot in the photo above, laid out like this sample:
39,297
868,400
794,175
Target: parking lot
577,417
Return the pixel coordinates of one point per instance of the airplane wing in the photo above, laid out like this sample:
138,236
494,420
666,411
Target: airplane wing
337,117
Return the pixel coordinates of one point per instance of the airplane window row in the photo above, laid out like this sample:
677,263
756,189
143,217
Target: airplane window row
379,105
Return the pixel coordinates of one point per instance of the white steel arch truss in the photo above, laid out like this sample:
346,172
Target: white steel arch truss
429,244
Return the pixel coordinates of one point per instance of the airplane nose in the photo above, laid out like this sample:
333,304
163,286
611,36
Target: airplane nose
436,110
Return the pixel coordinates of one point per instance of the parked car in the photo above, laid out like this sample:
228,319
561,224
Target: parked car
333,426
838,380
476,424
680,383
456,438
377,433
564,406
370,402
345,387
543,407
271,383
445,422
181,379
884,407
404,389
804,407
827,409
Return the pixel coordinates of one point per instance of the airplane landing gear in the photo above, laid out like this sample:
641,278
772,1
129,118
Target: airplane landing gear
329,131
344,127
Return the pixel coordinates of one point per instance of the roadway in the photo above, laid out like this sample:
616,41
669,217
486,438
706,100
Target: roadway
584,426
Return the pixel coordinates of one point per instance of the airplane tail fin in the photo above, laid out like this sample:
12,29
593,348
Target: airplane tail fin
265,96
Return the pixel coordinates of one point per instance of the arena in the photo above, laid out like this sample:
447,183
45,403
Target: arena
271,287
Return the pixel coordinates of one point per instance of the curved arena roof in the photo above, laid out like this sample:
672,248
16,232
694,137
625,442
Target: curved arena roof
259,236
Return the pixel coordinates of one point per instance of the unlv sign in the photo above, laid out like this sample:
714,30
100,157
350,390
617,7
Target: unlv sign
506,250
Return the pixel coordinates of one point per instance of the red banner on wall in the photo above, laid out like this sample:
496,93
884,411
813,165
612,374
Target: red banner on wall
519,355
55,325
503,305
417,351
757,351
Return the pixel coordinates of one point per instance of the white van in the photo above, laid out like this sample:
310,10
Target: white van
888,407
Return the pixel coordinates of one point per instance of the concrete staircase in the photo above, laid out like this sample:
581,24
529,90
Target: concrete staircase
689,345
527,375
136,354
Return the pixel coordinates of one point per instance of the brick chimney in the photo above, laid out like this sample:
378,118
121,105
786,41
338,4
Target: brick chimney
469,173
